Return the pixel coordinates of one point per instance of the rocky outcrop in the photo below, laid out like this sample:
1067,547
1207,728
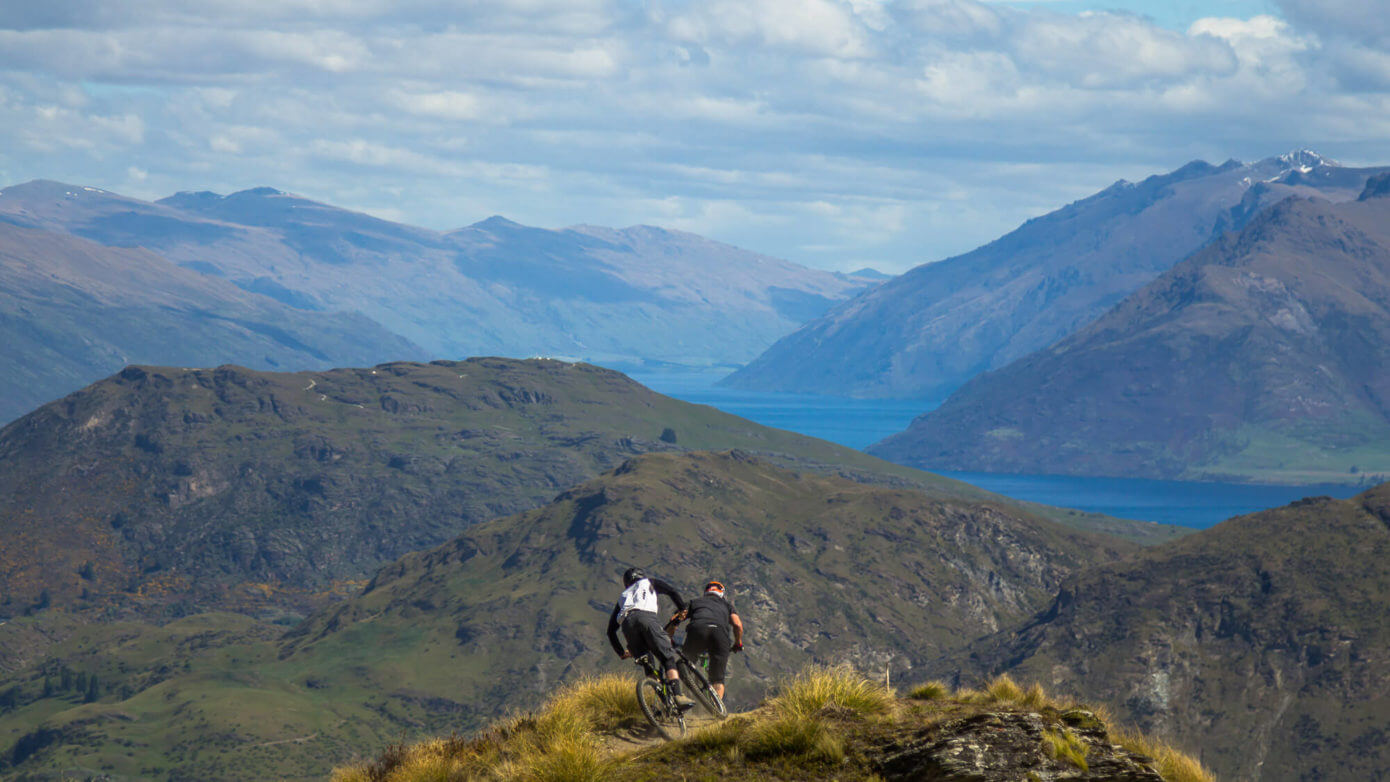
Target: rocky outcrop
995,746
1262,641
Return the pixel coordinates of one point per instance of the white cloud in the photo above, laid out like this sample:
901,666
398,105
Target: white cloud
818,27
447,104
1109,50
901,130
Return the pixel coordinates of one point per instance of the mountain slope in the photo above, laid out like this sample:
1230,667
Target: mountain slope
1262,641
1264,356
629,296
450,638
73,311
251,490
929,331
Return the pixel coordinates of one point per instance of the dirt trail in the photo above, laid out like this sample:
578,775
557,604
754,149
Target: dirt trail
644,736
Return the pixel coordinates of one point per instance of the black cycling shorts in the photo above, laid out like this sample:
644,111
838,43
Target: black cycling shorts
644,633
701,638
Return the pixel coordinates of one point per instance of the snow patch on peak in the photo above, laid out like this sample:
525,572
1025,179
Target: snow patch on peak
1305,160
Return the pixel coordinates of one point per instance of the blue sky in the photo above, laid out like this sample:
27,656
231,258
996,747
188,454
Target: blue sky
1174,15
835,133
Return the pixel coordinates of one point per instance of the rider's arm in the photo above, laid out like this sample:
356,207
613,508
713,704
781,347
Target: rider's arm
663,588
613,631
738,629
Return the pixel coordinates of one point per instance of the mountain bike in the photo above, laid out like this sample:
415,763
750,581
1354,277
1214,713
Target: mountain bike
657,701
694,676
698,684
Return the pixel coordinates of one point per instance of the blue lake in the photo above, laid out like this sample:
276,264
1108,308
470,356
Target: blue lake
858,423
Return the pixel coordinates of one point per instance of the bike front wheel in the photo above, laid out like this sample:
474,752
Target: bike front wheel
701,690
659,711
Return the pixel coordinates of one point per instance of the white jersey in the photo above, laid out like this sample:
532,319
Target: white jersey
641,596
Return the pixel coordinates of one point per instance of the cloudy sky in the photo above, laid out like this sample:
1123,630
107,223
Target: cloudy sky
836,133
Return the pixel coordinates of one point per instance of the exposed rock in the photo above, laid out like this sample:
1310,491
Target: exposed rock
1006,747
1263,641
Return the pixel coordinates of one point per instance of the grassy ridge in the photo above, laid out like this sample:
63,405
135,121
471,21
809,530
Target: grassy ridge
822,724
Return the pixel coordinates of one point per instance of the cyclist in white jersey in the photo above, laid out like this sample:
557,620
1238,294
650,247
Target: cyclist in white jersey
635,614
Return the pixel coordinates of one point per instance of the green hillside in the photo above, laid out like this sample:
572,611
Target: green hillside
168,491
453,637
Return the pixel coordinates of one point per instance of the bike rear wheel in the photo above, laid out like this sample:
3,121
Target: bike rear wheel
701,690
660,712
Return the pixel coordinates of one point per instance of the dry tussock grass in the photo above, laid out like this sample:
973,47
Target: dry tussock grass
839,686
562,742
559,743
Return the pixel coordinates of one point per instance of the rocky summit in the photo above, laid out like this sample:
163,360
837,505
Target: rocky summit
1262,640
1266,356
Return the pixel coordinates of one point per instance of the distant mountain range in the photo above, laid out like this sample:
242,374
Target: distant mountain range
638,296
927,332
1265,356
1262,642
72,310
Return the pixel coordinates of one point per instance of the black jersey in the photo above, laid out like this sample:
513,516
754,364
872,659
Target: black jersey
710,608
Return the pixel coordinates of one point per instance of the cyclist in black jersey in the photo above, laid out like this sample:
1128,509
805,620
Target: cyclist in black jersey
636,615
714,629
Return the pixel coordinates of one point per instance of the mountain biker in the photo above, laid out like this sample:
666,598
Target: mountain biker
636,614
714,628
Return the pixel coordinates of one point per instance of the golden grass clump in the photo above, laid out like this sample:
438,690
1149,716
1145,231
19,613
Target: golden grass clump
1034,698
605,702
350,774
568,760
1171,764
1064,745
795,734
837,686
931,691
1004,689
559,743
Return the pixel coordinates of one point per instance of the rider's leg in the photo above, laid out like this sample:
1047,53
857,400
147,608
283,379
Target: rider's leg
718,690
